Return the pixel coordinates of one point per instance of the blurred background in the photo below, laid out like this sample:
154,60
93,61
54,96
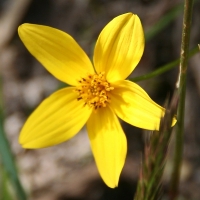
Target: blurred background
67,171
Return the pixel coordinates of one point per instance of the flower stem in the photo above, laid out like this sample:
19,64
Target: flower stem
181,85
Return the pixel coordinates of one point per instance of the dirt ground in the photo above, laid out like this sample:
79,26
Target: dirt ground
67,171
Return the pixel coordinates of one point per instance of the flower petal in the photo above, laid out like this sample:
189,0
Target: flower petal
133,105
57,119
57,51
119,47
108,144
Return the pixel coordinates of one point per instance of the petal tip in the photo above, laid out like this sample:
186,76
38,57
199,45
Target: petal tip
22,141
174,121
21,29
22,26
112,185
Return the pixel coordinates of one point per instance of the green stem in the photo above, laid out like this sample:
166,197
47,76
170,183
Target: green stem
163,68
181,85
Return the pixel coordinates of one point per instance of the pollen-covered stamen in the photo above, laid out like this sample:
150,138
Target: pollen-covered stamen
94,90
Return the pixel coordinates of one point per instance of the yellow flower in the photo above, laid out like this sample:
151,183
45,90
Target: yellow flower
97,96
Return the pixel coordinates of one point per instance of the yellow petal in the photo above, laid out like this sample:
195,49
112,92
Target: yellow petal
119,47
108,144
57,119
57,51
133,105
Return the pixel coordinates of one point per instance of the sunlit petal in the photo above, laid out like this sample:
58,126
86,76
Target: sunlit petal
57,119
57,51
119,47
133,105
108,144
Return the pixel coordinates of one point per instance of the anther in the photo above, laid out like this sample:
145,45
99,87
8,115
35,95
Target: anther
94,91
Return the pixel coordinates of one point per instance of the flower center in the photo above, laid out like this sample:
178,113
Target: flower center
94,90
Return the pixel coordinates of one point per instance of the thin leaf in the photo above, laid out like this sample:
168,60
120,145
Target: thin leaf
163,68
7,157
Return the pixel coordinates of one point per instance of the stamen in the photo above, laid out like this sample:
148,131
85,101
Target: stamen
94,90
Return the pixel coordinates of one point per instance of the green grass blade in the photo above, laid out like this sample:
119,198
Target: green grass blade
7,157
149,185
9,164
5,193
